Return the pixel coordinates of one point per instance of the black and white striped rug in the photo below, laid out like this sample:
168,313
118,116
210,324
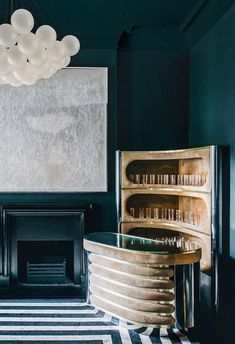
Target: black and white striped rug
53,321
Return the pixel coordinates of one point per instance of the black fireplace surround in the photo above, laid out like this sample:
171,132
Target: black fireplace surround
36,239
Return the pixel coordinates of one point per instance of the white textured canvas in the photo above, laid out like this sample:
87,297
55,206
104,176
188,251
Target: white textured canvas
53,134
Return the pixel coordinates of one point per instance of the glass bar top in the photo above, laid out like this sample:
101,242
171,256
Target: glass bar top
166,245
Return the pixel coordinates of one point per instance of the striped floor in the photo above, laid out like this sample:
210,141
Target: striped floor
42,321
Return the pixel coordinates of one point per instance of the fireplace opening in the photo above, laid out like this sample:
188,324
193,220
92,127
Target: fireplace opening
41,251
45,262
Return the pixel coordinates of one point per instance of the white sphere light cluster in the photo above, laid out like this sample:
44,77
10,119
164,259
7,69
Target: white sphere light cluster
26,57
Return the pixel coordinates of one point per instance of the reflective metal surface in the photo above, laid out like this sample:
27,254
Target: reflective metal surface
166,245
187,295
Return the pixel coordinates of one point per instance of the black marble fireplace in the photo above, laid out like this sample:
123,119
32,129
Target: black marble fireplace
41,249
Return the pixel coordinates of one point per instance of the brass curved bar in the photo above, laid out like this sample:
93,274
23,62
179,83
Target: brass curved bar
134,279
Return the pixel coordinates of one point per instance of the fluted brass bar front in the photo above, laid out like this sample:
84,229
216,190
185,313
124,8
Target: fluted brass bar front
138,293
134,279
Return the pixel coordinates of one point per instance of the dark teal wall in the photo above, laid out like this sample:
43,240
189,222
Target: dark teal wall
152,100
203,21
212,97
212,121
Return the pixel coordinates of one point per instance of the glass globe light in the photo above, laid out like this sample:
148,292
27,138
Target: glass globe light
59,62
15,56
57,50
46,36
19,73
26,57
22,21
31,73
24,73
47,70
28,44
72,44
67,60
5,68
3,53
38,58
10,79
8,36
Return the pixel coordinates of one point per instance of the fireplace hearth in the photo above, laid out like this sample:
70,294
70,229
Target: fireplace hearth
41,249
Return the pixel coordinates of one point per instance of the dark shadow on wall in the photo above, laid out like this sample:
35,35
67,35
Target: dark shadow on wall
152,98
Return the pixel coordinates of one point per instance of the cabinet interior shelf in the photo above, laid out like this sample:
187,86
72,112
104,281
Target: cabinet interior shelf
191,172
168,189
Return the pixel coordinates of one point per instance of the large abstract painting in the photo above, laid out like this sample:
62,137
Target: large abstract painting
53,134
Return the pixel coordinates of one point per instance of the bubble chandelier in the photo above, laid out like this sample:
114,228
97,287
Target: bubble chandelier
26,57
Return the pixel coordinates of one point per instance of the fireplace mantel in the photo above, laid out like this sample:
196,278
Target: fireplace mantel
40,223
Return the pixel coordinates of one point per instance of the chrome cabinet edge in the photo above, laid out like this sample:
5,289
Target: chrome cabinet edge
215,196
118,187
